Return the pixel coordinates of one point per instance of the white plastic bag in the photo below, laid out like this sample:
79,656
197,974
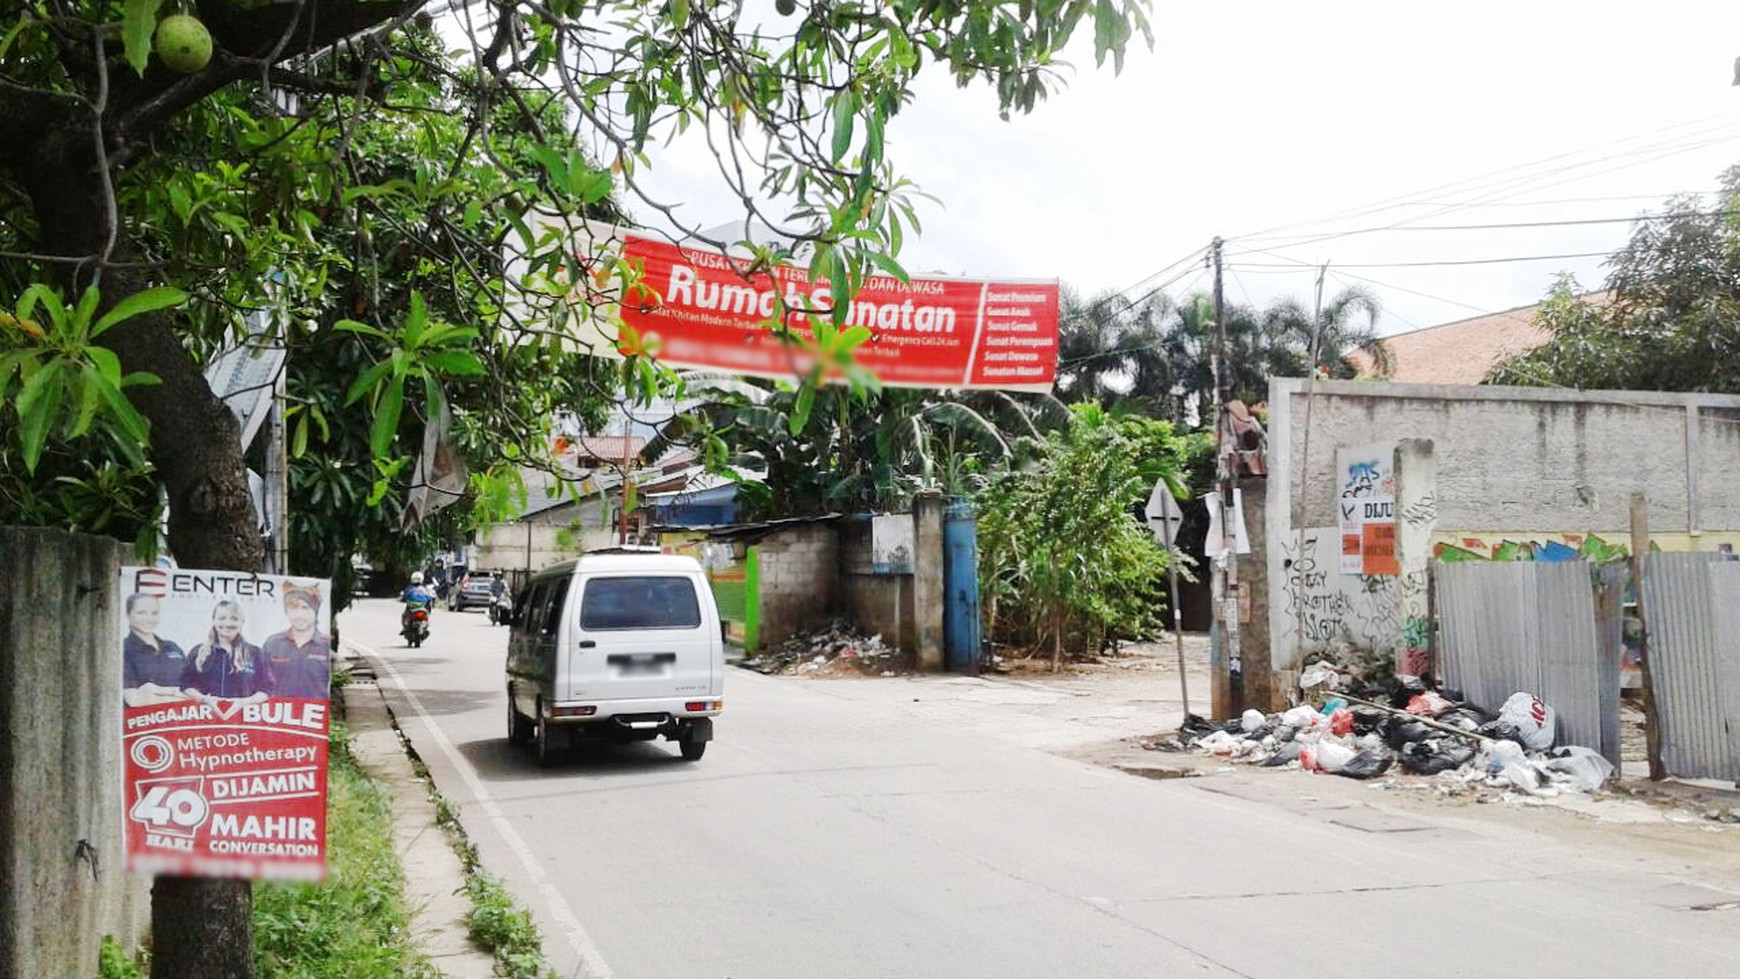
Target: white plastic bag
1332,757
1301,718
1250,720
1534,719
1584,766
1319,675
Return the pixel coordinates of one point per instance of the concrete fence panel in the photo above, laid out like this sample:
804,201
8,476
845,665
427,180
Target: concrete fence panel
62,883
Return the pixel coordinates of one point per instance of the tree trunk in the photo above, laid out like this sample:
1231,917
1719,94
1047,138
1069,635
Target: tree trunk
201,927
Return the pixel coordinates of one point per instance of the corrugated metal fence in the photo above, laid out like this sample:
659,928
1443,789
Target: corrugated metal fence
1691,605
1549,628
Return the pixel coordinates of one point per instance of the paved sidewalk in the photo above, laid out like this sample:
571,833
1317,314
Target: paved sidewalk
434,876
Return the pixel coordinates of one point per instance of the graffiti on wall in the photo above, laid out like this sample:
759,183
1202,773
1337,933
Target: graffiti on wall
1326,609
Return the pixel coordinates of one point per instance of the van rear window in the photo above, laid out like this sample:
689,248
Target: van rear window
662,602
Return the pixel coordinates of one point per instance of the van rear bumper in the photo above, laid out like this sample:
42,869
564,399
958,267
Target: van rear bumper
677,709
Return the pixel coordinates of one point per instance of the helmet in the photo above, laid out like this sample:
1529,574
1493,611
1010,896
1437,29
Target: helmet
416,577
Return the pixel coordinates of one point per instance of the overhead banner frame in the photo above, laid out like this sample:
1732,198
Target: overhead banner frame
694,308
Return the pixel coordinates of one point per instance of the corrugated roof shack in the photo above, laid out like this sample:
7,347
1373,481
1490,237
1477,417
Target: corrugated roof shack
775,580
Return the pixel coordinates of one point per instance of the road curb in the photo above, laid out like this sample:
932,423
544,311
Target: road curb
434,875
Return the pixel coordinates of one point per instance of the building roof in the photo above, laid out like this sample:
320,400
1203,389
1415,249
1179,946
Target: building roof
1463,351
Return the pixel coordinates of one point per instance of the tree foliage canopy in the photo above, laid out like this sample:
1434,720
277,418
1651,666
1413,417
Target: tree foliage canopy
1156,354
331,161
1670,320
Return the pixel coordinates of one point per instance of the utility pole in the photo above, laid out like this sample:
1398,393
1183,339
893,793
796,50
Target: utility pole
1226,696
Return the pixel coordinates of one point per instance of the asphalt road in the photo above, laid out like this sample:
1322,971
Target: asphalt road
921,827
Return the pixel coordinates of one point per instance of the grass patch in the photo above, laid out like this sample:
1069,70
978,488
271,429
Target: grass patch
495,922
354,925
113,962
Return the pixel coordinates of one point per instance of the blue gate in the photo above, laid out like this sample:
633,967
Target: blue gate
960,587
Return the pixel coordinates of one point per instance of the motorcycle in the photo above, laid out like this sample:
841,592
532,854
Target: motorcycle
501,609
416,625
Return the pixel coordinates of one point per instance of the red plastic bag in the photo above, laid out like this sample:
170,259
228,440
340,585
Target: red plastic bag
1429,704
1341,721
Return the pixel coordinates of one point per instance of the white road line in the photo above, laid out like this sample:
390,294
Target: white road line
591,960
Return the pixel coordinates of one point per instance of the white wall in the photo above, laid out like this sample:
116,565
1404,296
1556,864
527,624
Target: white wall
1525,461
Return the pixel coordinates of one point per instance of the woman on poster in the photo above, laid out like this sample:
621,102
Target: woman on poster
227,666
151,665
300,658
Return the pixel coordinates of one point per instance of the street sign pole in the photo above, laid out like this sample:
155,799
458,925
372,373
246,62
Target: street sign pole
1163,511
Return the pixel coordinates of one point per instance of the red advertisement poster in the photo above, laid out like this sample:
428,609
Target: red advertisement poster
224,729
926,332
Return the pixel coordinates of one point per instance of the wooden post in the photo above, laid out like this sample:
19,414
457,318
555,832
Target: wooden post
1651,717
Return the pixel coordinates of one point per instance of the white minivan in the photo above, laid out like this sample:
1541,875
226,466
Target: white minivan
623,645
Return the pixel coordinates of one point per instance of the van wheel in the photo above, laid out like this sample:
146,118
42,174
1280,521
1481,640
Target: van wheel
692,748
519,727
543,742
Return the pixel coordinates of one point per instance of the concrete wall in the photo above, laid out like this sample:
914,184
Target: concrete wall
797,582
539,543
878,596
63,885
1532,462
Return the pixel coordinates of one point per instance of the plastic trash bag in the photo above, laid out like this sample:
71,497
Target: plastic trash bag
1319,675
1584,766
1429,704
1299,717
1407,732
1370,720
1533,718
1194,729
1369,763
1284,754
1431,756
1498,754
1341,721
1222,744
1465,719
1326,756
1250,720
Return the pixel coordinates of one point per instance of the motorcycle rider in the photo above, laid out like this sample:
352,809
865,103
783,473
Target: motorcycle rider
415,596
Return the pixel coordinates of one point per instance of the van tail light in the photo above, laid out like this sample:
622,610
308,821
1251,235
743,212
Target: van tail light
586,711
696,705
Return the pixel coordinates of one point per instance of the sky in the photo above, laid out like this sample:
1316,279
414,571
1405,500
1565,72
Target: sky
1257,120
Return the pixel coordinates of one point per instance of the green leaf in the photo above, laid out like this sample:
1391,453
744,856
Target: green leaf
888,265
800,414
90,398
367,381
138,23
680,13
456,363
37,404
352,326
299,438
155,298
845,107
387,417
108,365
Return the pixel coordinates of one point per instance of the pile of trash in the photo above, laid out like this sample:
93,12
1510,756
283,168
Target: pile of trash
1420,731
838,650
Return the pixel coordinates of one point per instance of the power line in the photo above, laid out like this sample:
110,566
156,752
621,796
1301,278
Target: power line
1670,215
1446,262
1484,181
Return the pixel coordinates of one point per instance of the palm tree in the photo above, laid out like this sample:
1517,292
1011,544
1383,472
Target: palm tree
1342,330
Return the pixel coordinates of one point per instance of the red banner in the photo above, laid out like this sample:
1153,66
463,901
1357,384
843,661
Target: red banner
697,311
225,738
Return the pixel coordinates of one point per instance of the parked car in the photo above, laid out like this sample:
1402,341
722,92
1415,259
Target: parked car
619,646
475,590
